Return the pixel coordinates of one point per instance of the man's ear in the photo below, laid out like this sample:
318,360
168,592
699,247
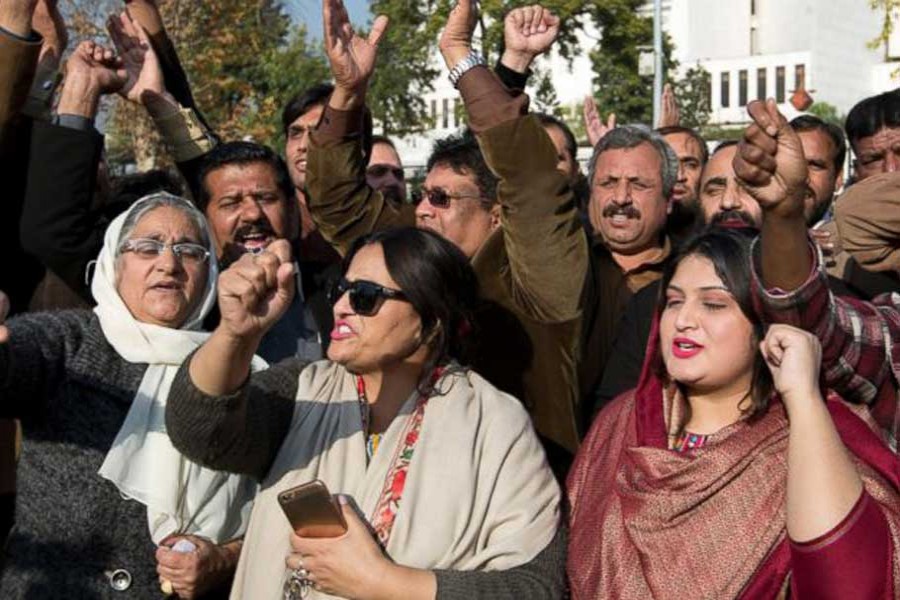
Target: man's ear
839,182
495,216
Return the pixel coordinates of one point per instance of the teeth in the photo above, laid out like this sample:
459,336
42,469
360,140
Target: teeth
344,329
685,346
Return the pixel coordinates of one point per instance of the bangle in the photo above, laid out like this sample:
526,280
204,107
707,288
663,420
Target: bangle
473,59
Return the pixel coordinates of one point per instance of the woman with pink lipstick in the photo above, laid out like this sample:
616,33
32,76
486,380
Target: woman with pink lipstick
727,473
446,491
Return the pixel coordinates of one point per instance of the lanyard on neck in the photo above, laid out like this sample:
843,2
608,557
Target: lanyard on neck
382,520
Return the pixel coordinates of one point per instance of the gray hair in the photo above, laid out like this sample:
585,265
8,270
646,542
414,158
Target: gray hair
631,136
157,200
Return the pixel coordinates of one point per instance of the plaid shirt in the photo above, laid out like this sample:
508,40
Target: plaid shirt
860,340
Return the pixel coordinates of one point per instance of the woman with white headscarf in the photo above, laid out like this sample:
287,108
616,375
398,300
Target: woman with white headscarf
102,492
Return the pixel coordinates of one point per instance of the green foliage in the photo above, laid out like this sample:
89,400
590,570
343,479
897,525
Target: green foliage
404,72
888,8
827,112
544,98
619,87
693,93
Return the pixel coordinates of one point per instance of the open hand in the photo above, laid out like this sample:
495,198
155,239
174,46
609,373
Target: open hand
596,129
528,31
456,39
669,114
794,357
256,290
145,79
769,162
348,566
351,56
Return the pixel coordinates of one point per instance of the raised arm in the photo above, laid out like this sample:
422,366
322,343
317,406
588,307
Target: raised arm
790,287
823,484
545,244
58,225
217,414
341,202
526,35
180,125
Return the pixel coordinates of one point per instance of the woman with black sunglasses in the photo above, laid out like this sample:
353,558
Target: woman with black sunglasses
450,490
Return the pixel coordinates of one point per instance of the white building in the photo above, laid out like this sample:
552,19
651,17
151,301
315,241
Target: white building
751,48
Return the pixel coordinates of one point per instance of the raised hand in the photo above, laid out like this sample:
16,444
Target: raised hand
144,76
255,291
351,56
528,31
91,72
794,358
456,39
592,123
669,114
769,162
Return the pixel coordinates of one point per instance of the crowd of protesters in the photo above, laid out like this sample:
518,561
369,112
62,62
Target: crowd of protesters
674,375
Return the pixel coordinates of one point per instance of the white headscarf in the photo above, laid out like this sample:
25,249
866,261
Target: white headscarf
181,496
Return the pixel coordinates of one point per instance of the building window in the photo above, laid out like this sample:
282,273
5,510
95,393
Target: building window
434,111
446,119
779,85
761,90
725,91
457,112
752,7
742,87
800,77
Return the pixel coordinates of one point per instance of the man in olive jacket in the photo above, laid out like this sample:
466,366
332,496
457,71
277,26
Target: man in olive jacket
525,241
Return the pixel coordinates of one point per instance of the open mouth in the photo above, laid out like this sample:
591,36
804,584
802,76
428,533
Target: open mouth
254,241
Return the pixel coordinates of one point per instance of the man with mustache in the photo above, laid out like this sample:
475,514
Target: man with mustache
247,194
632,174
385,171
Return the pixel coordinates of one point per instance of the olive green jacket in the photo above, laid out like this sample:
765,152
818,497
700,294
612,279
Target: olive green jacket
531,270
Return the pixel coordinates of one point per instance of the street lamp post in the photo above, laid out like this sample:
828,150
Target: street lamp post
658,60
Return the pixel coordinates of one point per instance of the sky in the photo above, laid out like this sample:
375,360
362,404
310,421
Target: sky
310,12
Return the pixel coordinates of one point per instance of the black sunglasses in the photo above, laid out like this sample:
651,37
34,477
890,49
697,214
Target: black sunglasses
439,197
366,297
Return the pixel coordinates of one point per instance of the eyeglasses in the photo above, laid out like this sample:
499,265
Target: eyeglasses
148,248
366,297
439,197
382,170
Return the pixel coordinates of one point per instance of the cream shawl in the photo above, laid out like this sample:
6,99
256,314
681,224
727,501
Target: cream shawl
181,496
479,494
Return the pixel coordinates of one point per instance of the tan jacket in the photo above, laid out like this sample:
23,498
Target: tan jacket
531,270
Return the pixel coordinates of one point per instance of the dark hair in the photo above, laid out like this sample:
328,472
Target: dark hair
722,146
439,282
873,114
304,101
462,154
383,139
129,188
241,153
729,252
676,129
551,121
835,133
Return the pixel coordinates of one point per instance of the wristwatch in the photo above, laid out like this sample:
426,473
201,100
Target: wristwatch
473,59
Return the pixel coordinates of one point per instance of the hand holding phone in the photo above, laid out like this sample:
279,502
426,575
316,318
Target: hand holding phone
312,511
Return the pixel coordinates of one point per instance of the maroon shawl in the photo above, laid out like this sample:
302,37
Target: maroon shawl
648,522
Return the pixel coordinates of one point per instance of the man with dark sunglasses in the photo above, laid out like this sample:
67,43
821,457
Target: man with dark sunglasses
385,171
510,210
